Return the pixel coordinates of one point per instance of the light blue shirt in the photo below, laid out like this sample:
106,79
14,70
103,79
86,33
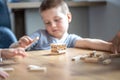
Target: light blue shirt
45,39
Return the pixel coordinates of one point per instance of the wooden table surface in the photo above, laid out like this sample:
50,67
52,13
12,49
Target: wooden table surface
61,67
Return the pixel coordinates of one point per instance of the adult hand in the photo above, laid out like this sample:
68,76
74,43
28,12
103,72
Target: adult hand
116,43
11,52
3,74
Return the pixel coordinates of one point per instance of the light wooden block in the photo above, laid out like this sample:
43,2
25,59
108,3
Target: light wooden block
7,69
79,57
91,60
107,61
37,68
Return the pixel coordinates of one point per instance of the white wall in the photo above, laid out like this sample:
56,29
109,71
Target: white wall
33,21
105,20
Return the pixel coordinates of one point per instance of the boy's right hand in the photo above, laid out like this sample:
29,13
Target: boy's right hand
25,41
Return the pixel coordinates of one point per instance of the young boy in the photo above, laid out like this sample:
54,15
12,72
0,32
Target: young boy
56,17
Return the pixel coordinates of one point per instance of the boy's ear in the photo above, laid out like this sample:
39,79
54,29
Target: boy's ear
69,15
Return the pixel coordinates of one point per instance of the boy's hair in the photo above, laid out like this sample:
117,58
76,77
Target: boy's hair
48,4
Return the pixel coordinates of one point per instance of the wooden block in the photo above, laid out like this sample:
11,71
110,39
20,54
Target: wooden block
33,66
102,57
75,58
107,61
91,60
98,55
7,69
36,68
58,48
43,69
92,54
61,51
114,56
107,56
79,57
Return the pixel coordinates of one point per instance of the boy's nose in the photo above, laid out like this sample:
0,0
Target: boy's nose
53,24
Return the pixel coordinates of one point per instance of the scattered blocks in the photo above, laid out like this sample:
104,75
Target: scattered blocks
96,57
91,60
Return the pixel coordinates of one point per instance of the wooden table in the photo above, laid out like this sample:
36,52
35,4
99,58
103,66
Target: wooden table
61,67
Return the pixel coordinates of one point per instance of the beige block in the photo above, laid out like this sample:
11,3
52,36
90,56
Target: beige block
91,60
107,61
7,69
79,57
37,68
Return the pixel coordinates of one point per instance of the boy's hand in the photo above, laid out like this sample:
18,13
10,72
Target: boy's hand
8,53
24,41
116,43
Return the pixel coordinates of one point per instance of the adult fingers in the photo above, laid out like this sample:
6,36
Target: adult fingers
4,74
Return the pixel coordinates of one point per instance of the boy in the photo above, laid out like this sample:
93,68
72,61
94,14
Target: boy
56,17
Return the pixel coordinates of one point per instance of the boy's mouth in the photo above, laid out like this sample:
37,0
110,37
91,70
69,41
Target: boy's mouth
55,30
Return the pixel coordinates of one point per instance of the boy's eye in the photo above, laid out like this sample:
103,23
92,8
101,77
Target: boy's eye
57,20
47,23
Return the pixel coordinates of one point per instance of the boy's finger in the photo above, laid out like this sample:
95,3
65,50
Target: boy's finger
34,40
26,40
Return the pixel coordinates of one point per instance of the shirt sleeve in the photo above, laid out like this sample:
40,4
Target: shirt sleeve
71,39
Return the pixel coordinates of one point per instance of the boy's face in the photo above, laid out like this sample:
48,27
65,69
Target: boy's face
56,22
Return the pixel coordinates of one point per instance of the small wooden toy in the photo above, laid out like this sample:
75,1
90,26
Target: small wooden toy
58,48
36,68
107,61
7,69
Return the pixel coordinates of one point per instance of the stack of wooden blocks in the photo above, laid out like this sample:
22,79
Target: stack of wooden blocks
58,48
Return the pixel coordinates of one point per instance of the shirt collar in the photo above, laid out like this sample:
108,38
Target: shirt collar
62,39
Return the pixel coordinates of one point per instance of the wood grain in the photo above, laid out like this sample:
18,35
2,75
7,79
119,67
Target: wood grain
61,67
